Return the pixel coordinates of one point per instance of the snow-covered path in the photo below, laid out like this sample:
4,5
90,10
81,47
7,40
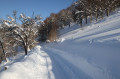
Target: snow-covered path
63,69
85,61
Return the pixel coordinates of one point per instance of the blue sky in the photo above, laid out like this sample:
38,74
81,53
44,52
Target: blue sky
41,7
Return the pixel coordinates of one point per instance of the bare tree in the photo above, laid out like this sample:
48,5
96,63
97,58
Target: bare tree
52,36
24,33
7,44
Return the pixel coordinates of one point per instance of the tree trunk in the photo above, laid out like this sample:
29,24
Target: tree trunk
102,14
107,12
91,18
85,16
26,51
69,24
3,57
81,22
25,48
96,14
86,19
2,48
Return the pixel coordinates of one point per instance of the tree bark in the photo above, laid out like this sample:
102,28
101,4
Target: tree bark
102,14
85,16
2,48
96,16
25,48
26,51
86,19
91,18
3,51
81,22
107,12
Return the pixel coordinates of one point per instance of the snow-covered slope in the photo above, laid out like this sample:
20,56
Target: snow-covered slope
91,52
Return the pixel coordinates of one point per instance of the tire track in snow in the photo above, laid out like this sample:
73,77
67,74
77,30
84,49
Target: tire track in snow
81,70
64,69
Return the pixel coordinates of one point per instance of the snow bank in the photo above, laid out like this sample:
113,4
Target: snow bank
36,65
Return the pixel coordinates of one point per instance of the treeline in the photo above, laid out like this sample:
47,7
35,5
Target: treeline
77,12
93,9
49,29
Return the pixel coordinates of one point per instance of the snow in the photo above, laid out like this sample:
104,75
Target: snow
91,52
60,40
7,24
12,19
79,12
23,16
88,53
36,65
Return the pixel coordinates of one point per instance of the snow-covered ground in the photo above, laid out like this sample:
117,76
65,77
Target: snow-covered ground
36,65
92,52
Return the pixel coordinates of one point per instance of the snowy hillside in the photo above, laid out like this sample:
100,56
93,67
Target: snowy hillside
88,53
